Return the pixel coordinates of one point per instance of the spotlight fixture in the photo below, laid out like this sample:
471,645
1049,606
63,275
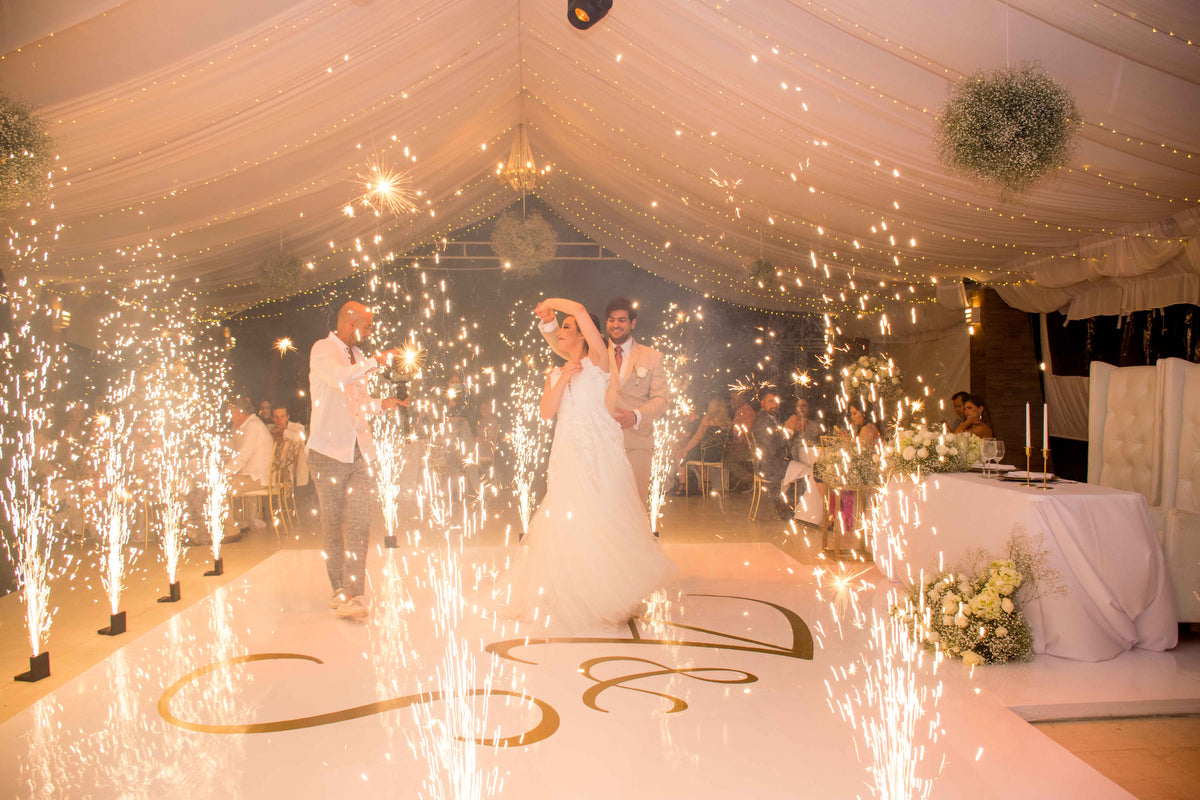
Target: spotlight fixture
583,14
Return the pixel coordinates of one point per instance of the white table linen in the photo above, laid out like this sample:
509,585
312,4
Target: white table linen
1118,593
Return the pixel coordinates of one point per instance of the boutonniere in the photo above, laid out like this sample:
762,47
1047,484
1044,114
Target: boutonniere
642,372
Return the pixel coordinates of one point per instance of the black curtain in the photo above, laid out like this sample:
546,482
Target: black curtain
1136,340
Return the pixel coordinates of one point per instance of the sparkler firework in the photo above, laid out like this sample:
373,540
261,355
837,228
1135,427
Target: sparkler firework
669,427
29,370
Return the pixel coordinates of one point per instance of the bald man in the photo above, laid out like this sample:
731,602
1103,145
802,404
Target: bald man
340,451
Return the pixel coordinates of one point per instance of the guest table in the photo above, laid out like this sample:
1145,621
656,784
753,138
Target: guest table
1117,593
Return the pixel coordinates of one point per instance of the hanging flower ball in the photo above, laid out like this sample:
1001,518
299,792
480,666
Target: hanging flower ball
761,270
280,275
25,158
524,245
1008,127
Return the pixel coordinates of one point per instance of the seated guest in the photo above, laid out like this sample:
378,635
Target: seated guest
958,398
978,419
771,440
862,429
737,453
708,442
253,448
282,428
805,432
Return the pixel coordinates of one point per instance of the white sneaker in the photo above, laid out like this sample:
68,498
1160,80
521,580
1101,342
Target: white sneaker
352,609
337,598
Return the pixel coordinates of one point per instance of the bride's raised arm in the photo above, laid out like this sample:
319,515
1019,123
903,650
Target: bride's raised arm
597,349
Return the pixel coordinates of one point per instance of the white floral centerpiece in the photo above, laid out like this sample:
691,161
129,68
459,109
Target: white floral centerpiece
872,379
920,450
974,614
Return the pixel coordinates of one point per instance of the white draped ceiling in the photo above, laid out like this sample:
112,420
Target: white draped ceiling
689,136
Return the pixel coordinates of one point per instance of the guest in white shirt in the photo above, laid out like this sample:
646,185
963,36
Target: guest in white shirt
250,462
282,427
340,450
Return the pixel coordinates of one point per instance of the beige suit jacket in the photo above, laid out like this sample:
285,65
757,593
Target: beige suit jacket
641,387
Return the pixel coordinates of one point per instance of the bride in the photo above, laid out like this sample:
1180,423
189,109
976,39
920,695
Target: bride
590,558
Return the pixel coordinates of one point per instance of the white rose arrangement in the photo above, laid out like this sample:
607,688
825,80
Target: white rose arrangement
873,379
641,372
920,450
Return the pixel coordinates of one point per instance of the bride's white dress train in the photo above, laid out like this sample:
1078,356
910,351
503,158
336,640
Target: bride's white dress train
590,558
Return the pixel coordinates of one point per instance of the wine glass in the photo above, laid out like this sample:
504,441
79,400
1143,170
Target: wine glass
999,455
987,452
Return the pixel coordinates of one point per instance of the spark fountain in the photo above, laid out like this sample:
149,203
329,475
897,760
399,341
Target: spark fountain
669,427
528,435
216,502
30,371
113,507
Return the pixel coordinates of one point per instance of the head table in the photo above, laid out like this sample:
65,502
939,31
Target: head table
1117,593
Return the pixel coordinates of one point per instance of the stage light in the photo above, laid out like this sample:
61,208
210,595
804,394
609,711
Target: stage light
583,14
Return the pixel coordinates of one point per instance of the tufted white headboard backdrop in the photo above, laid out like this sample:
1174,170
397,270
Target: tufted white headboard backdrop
1181,434
1125,429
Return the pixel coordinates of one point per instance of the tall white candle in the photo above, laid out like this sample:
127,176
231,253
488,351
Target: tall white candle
1028,441
1045,426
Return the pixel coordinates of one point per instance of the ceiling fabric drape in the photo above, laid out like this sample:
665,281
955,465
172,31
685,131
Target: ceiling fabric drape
691,137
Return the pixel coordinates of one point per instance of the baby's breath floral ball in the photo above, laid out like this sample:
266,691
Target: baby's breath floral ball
25,159
1008,127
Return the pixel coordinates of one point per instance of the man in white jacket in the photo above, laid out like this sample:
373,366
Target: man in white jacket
340,451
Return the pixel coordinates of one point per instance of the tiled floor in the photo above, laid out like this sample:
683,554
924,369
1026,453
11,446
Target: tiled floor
1150,758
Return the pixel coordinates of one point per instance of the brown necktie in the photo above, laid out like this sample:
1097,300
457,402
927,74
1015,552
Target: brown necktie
619,352
353,360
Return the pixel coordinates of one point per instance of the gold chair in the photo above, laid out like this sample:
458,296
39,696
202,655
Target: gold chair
704,468
759,487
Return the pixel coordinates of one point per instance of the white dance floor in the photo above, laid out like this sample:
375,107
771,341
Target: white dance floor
259,691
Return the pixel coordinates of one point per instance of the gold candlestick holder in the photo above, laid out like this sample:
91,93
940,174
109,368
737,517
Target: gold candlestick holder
1045,471
1028,453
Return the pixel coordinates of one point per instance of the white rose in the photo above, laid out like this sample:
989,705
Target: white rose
864,360
1007,605
642,372
972,659
895,381
1001,632
909,453
953,451
942,450
947,620
922,453
868,374
933,637
961,621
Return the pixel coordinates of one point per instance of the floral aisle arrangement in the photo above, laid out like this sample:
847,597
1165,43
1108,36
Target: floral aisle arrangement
919,450
872,379
974,614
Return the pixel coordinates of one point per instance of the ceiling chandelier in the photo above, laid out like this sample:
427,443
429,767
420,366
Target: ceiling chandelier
520,172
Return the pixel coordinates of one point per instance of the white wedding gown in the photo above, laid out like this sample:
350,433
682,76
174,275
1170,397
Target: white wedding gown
590,558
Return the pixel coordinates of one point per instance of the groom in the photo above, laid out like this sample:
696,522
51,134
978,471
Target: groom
642,397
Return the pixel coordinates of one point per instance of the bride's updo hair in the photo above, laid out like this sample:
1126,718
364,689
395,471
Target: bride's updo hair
599,327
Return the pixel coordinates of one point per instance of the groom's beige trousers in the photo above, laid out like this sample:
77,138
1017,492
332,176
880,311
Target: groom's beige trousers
641,459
